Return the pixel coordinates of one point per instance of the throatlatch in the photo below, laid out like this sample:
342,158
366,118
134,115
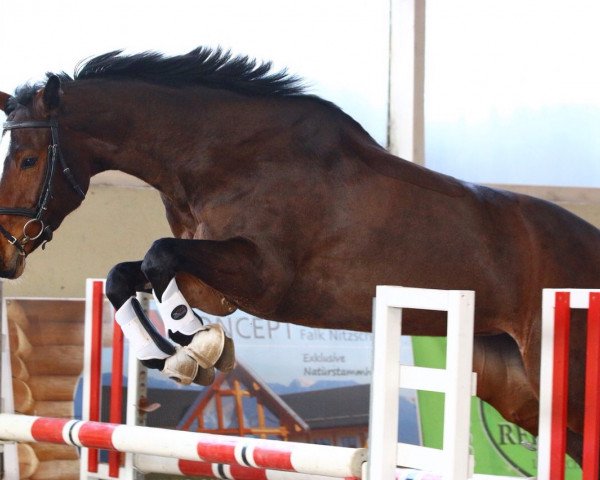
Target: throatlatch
204,346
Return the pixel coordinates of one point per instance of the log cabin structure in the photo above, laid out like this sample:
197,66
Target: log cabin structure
46,356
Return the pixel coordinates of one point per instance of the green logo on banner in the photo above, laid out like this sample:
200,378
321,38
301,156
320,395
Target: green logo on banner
514,445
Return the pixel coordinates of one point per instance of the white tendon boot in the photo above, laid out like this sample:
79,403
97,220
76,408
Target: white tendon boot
176,312
146,343
209,346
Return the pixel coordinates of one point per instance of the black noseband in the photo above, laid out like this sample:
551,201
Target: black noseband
35,214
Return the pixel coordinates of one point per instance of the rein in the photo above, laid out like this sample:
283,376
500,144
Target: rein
35,214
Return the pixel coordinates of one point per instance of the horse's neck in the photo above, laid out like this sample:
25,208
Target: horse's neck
160,140
117,130
170,137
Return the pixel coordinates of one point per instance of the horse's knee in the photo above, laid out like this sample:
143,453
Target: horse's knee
121,282
159,264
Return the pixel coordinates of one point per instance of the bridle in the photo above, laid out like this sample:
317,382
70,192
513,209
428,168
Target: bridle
35,214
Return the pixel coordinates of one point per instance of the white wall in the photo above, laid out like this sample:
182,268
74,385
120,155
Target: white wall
339,46
513,91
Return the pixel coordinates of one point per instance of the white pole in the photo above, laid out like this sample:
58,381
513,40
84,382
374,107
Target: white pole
406,117
87,367
546,369
383,415
10,458
459,365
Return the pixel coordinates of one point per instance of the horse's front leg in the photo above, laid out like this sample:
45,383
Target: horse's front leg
232,268
153,350
122,283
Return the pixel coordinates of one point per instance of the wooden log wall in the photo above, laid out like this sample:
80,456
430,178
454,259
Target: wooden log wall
46,344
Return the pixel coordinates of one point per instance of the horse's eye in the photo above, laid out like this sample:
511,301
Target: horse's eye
28,162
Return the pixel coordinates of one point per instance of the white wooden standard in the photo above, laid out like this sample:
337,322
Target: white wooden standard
7,405
457,382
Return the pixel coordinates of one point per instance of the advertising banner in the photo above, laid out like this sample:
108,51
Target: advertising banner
499,447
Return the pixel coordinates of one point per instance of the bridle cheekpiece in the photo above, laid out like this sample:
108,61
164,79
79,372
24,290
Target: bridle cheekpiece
35,214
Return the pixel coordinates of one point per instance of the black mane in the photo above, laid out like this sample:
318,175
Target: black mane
202,66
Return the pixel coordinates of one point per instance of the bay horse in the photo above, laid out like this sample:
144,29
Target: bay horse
282,205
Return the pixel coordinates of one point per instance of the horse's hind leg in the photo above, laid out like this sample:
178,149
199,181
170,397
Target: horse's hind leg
577,349
503,382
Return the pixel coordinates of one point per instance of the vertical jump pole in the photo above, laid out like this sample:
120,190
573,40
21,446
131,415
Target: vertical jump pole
591,427
383,415
10,467
546,375
459,365
96,365
116,394
560,384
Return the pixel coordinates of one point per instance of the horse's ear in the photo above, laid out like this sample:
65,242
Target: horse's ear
4,101
48,98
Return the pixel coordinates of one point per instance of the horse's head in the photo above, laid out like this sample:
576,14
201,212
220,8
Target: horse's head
37,188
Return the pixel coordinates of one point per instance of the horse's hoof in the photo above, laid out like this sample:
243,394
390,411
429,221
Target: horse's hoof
181,368
205,376
207,345
226,361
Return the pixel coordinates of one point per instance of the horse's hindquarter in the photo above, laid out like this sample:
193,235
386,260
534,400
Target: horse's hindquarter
506,247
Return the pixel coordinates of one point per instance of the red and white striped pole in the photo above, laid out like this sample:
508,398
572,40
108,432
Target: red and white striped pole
173,466
189,468
324,460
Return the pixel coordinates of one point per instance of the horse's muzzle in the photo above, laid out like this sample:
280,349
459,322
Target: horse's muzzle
12,264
